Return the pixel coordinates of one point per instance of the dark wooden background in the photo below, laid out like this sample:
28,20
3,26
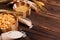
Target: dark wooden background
46,25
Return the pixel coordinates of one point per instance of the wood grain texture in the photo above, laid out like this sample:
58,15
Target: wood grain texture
46,25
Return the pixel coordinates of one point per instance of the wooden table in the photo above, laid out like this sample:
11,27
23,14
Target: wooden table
46,26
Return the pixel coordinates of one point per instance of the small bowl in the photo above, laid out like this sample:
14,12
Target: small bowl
14,34
13,27
20,9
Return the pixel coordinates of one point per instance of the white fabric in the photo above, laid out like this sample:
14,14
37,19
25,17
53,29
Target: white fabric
26,21
11,35
14,6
